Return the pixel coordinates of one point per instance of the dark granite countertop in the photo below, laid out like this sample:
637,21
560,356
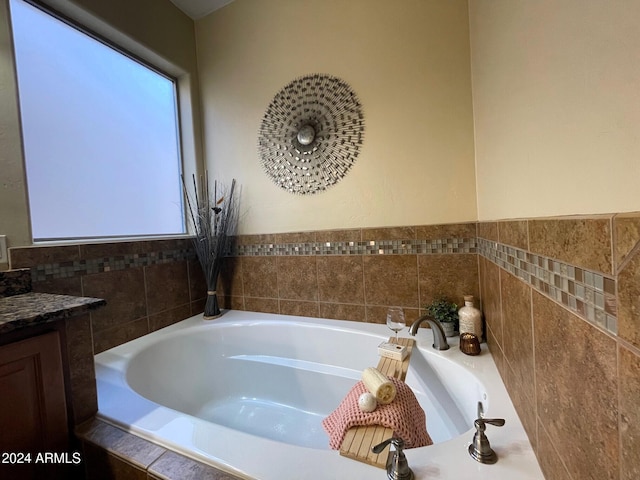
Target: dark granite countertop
27,309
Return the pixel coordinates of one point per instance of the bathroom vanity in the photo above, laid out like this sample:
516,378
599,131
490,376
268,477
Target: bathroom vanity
34,408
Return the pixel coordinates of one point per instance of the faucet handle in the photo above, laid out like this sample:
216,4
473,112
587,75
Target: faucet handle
481,422
397,466
397,442
480,449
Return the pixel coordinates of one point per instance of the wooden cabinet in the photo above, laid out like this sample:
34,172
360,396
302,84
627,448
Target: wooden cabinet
33,414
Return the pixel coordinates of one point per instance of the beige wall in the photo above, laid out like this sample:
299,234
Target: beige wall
407,61
154,30
14,210
556,93
555,99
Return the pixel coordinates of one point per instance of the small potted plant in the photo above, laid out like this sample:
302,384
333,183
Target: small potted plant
446,313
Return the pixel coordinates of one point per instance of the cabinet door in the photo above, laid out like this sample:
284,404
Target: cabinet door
33,414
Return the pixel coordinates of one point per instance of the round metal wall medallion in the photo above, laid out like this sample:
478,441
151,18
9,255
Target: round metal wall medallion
311,134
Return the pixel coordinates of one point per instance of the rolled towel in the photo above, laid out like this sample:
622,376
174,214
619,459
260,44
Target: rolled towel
379,385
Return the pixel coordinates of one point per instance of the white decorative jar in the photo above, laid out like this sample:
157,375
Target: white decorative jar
470,318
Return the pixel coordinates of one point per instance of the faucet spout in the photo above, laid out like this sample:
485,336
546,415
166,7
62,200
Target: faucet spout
439,338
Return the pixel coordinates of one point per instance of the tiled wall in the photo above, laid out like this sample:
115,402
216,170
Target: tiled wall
352,274
567,341
344,274
147,284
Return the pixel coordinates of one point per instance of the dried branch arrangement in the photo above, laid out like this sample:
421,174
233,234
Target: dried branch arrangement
215,222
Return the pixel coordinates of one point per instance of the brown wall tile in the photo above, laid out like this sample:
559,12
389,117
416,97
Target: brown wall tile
488,230
114,336
451,276
197,282
341,279
342,311
113,249
629,377
626,236
230,279
227,302
388,233
391,280
629,301
265,305
302,309
514,233
260,277
549,459
197,306
297,278
296,237
84,399
378,314
576,390
25,257
519,388
169,317
124,291
167,286
79,345
584,242
255,239
149,246
517,329
454,230
61,286
491,299
496,352
518,349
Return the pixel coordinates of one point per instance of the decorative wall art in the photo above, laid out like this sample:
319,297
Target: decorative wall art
311,134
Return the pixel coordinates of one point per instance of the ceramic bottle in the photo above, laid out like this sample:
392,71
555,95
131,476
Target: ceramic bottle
470,318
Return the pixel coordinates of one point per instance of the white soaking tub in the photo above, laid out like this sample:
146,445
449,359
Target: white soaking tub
247,394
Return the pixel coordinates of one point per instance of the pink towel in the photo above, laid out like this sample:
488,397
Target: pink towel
404,416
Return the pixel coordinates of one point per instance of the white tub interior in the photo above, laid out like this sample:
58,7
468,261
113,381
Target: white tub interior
281,387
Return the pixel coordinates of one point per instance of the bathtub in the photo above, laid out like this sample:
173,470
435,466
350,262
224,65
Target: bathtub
247,394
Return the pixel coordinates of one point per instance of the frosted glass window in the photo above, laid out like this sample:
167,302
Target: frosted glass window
100,134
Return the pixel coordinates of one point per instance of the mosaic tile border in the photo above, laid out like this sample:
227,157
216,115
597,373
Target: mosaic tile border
589,294
372,247
50,271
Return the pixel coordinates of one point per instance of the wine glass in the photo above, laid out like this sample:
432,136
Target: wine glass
395,320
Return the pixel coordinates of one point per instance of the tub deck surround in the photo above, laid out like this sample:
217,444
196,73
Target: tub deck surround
142,387
133,457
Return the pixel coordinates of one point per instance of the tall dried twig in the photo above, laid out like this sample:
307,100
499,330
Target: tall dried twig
215,226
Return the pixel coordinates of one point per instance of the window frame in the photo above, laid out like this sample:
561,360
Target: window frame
183,88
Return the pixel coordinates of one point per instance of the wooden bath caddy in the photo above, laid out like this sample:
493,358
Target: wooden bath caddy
358,441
